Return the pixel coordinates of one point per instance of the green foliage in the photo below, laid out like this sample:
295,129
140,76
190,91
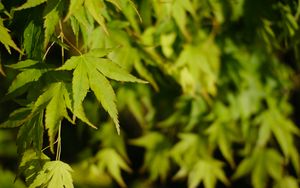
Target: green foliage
217,110
6,39
54,174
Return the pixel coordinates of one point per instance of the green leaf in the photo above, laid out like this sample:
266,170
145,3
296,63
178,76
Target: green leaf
53,100
274,163
80,87
55,174
281,127
114,71
31,163
73,7
179,13
100,52
295,158
16,118
287,181
105,94
24,78
70,64
146,74
188,149
95,7
33,40
116,3
109,159
55,112
129,10
30,135
80,84
157,157
28,63
30,4
6,39
51,19
149,140
261,164
90,72
219,133
111,140
244,167
208,171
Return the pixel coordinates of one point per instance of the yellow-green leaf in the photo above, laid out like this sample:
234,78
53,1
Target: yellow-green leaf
109,159
24,78
73,7
6,39
30,4
105,94
53,175
55,112
114,71
95,7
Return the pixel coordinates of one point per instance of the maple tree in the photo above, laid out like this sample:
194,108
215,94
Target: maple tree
203,87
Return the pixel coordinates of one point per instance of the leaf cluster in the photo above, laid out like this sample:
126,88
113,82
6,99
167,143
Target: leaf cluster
213,104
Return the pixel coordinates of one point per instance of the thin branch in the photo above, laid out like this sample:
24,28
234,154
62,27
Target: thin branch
47,51
62,40
73,46
58,148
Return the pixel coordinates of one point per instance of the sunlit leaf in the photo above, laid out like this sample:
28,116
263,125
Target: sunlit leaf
73,7
95,7
53,101
208,171
54,174
51,19
6,39
31,133
90,72
30,4
16,118
31,163
109,159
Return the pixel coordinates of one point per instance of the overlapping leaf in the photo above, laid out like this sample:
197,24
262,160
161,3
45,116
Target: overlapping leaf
52,17
30,4
208,171
30,72
30,135
6,39
90,72
55,174
109,159
31,163
157,156
16,118
260,164
54,100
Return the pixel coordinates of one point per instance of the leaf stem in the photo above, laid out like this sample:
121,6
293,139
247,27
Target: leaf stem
73,46
58,149
62,40
49,145
47,51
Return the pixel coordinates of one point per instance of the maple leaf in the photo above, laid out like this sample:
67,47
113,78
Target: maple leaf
30,4
53,175
30,135
53,13
54,100
90,72
6,39
31,163
260,164
94,7
110,160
